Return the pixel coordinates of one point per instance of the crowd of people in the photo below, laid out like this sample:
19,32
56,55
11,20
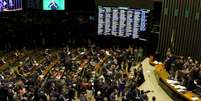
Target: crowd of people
185,70
68,74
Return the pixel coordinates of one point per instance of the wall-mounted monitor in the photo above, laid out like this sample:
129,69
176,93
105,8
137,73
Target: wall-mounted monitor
53,4
10,5
122,21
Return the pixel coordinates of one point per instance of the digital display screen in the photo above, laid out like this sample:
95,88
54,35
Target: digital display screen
53,4
10,5
122,21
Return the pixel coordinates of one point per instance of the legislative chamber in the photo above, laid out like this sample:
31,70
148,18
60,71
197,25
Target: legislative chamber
100,50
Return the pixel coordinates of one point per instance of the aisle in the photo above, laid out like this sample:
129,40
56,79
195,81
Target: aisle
152,84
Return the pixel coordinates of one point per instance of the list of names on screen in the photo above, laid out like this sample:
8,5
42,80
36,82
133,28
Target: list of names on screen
122,21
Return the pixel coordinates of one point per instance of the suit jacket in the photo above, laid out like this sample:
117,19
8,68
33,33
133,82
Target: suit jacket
53,6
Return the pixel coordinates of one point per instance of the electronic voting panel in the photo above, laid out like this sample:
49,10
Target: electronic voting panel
122,21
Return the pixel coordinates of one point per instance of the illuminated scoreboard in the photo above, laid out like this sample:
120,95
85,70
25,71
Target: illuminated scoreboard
122,21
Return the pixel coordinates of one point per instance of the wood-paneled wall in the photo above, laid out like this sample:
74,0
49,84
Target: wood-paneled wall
181,27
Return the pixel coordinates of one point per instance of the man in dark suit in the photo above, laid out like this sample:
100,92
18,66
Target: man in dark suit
53,5
3,94
99,97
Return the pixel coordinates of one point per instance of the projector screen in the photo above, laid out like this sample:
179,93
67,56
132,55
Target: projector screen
122,21
53,4
10,5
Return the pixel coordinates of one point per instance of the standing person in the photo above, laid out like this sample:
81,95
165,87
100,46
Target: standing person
99,96
71,93
130,62
143,96
108,92
114,96
4,93
83,96
68,62
168,52
1,5
140,76
153,98
119,60
124,59
10,4
168,61
122,83
136,55
140,54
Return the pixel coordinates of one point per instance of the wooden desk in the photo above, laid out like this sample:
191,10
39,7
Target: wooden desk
15,61
162,76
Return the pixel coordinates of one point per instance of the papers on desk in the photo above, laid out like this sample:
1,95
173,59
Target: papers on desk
176,85
180,90
180,87
172,81
194,98
156,62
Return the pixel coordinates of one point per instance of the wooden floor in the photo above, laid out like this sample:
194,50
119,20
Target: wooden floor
152,84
